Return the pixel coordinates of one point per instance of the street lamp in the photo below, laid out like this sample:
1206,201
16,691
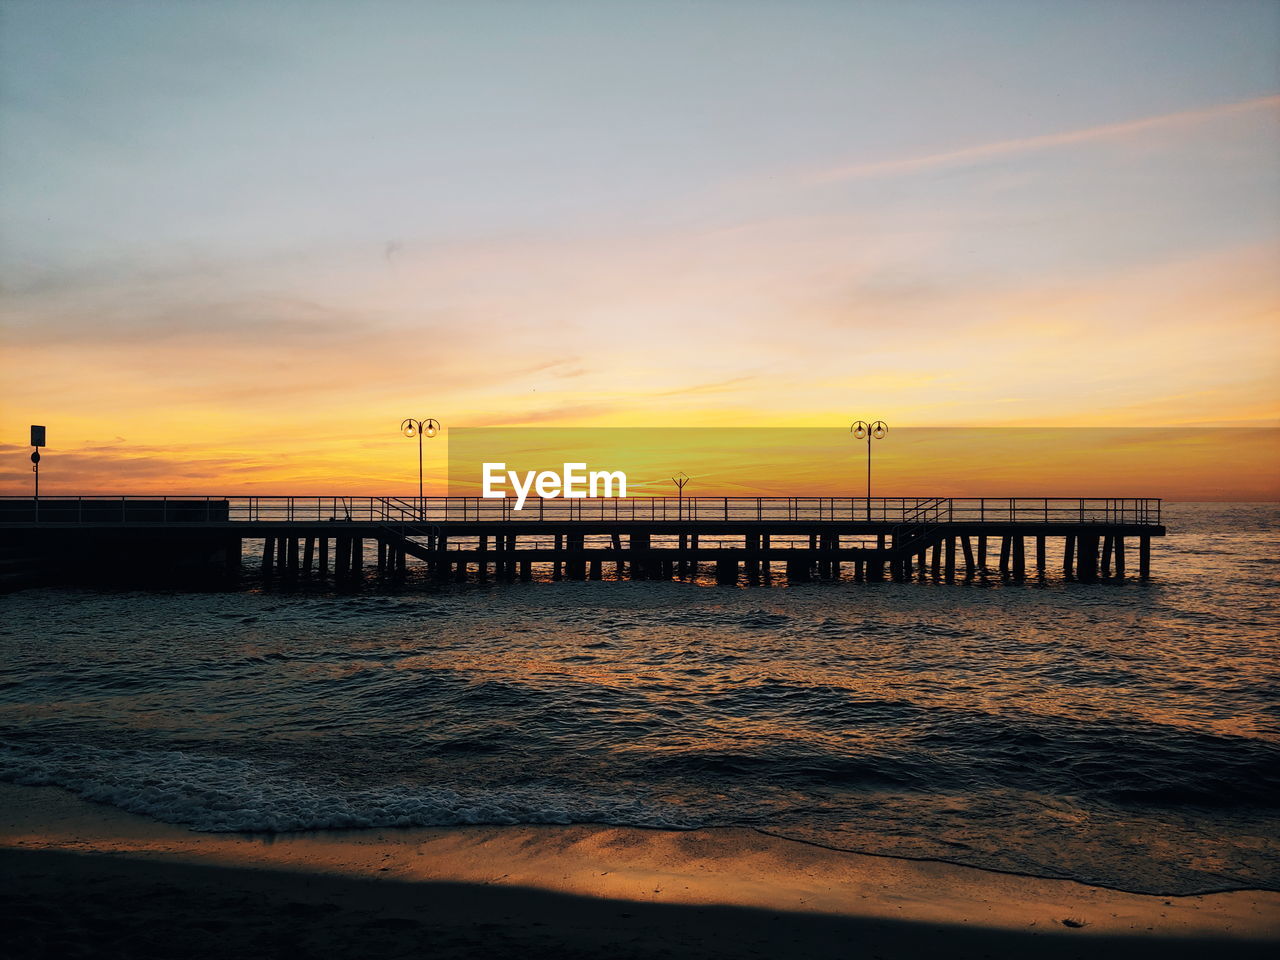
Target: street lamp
869,431
418,428
680,479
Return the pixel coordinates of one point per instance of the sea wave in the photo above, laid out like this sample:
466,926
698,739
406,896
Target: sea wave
221,794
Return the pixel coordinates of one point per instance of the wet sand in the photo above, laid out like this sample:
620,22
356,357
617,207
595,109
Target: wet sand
79,879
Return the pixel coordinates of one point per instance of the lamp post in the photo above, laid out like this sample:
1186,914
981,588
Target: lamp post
875,430
680,479
417,428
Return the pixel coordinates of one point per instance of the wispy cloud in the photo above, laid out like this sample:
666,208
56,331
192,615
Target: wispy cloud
1002,148
552,415
718,386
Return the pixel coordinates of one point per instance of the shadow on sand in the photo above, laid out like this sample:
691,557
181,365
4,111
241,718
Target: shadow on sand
56,904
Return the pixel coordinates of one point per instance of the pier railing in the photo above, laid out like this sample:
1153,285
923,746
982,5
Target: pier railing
407,510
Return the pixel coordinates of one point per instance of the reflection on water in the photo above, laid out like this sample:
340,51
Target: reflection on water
1125,734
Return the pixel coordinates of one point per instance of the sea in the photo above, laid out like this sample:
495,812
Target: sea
1125,734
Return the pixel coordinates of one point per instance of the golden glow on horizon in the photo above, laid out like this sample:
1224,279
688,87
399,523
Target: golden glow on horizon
231,416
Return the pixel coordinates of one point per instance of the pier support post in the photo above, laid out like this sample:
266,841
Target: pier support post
1040,555
526,570
982,553
357,555
308,554
557,563
440,569
875,565
615,540
341,557
1120,556
797,571
753,557
268,555
509,563
1019,558
1106,555
1144,556
951,559
968,556
1006,544
232,554
324,557
640,563
1087,561
1069,555
282,555
727,571
937,560
576,564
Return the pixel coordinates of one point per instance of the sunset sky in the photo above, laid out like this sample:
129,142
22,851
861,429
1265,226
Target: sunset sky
240,242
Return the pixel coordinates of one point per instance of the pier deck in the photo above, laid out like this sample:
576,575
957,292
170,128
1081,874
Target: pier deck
905,539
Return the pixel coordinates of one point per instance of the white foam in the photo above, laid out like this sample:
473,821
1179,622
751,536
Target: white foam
221,794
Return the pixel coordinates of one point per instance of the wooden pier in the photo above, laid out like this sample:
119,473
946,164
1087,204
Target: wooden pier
756,539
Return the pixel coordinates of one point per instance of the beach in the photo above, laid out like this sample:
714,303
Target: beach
87,880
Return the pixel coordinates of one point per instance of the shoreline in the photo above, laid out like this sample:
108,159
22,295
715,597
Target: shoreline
562,889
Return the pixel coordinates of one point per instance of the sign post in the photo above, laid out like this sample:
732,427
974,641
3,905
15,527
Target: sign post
37,441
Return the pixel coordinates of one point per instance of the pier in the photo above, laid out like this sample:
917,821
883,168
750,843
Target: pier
344,539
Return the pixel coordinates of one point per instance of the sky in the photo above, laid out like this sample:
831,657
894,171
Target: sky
240,242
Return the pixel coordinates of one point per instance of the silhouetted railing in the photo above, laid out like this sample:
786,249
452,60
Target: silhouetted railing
897,510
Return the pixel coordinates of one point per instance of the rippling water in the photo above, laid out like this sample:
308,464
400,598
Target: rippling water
1125,734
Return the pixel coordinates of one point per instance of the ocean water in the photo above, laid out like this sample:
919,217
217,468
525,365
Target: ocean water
1126,734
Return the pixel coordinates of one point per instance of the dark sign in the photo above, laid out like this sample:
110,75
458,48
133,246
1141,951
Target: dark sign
37,436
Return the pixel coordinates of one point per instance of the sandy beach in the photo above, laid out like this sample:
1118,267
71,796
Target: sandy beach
87,880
